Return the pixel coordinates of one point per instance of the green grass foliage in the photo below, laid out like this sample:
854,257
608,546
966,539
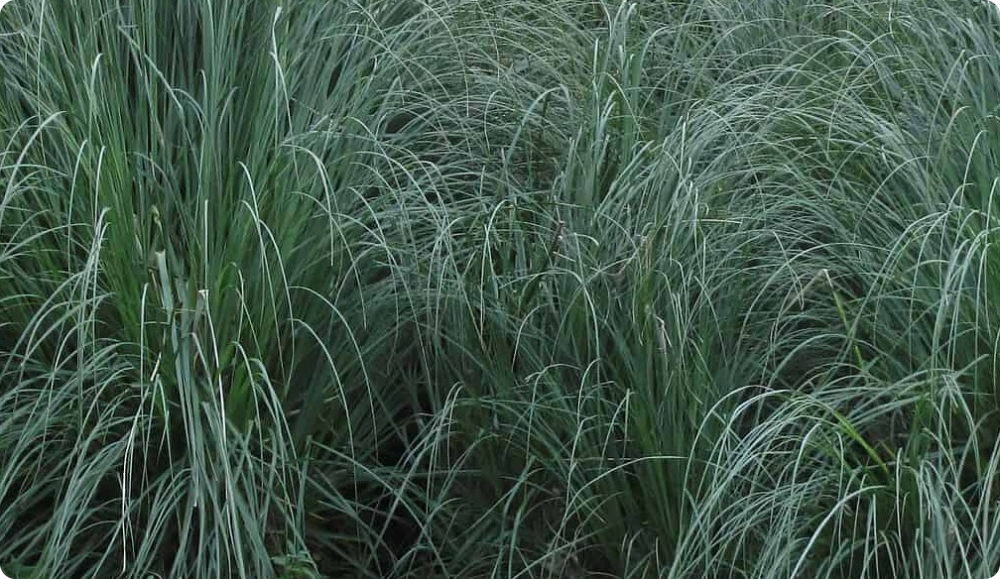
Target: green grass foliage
503,289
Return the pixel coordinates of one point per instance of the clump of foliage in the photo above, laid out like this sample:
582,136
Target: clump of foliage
470,288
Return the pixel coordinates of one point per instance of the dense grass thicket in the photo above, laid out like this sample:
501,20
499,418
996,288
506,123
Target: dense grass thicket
500,289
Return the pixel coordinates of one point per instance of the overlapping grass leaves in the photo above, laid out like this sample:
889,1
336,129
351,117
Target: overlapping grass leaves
470,288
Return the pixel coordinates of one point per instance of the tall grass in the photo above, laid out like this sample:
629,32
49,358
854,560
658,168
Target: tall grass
463,288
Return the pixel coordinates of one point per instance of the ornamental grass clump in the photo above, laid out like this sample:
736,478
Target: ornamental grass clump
466,288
